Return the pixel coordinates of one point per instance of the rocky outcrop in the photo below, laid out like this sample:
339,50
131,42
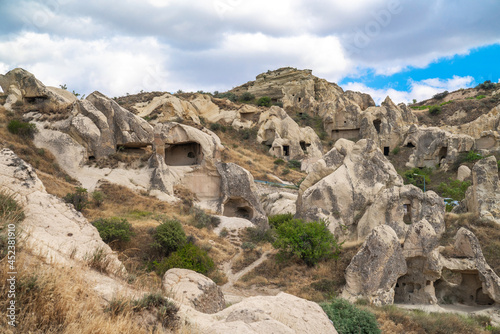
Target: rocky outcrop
435,147
239,194
478,284
193,289
280,314
20,85
374,270
53,229
463,173
279,203
355,175
483,197
285,138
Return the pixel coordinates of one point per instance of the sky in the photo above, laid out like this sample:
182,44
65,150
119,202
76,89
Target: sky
404,49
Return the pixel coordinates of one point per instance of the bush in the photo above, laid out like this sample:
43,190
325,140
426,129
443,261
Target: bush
279,162
434,110
454,189
487,85
348,319
311,242
264,101
417,180
114,228
224,233
23,129
98,198
248,246
230,96
188,256
258,234
396,150
79,198
247,97
169,236
295,164
473,156
441,95
10,210
276,220
202,220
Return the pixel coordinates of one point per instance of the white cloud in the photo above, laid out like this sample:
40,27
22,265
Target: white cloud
419,90
113,66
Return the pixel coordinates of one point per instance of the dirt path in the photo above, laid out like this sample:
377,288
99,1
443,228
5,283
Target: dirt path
234,294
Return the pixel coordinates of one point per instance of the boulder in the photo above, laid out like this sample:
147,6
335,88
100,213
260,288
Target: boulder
483,197
193,289
280,314
53,229
279,203
463,173
375,269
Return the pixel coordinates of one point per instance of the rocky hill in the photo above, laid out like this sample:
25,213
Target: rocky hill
196,181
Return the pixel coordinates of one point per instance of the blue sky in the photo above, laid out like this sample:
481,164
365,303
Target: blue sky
401,48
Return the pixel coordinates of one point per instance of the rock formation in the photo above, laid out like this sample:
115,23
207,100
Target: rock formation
483,197
193,289
52,228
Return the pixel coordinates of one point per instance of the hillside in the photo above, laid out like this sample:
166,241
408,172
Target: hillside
145,186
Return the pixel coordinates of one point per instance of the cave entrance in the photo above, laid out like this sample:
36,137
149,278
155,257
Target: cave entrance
238,207
286,150
386,150
183,154
407,213
304,146
442,154
350,134
376,124
134,148
410,144
247,116
464,287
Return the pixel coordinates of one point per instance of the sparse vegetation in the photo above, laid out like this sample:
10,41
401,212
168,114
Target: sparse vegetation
473,156
434,110
277,220
113,229
454,189
311,241
416,176
23,129
441,95
487,85
247,97
79,198
202,220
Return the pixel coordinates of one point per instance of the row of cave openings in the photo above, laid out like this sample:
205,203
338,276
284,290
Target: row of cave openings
179,154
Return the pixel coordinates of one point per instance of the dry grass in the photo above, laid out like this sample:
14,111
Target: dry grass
58,300
298,279
245,259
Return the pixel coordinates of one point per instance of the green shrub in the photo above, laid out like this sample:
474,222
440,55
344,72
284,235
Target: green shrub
98,198
247,97
264,101
168,237
473,156
285,171
480,97
23,129
246,134
348,319
114,228
487,85
247,246
215,126
396,150
311,242
295,164
188,256
10,210
79,198
224,233
454,189
279,162
276,220
434,110
417,180
230,96
441,95
258,234
202,220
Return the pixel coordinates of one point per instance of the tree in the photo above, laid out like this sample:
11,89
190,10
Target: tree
311,241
